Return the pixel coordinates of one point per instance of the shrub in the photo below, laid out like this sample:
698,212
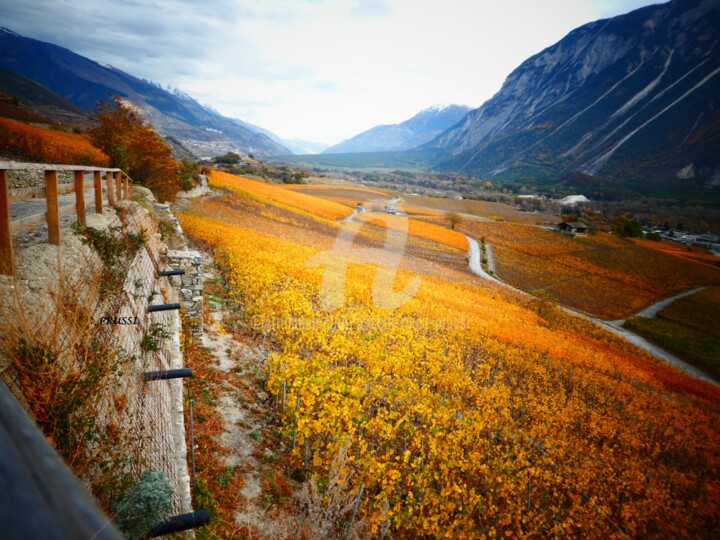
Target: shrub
145,505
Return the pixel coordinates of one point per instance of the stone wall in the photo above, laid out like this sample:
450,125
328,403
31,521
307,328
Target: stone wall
191,287
154,409
30,178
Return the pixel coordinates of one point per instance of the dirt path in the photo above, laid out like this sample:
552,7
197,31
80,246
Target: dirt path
476,267
243,408
490,255
614,327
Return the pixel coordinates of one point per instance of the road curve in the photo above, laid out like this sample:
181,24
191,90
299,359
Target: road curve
613,327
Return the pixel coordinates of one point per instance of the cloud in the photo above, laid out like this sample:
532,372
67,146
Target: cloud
371,8
311,69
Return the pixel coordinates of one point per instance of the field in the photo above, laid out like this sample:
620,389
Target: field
490,210
600,273
278,195
689,327
691,253
48,145
444,407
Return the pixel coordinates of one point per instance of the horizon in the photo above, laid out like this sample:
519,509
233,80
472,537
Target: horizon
300,88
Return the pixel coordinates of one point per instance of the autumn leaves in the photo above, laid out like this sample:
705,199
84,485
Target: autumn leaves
494,425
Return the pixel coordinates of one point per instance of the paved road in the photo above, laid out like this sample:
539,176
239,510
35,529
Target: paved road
613,327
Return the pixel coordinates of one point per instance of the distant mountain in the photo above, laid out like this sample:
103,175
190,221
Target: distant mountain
633,98
298,146
175,115
411,133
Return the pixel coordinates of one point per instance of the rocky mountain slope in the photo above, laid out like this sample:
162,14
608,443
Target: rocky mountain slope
634,97
177,116
408,134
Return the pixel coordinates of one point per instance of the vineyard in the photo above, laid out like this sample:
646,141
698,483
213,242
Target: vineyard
462,412
278,195
48,145
689,327
601,274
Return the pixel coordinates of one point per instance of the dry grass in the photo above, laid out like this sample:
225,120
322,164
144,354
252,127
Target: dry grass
75,380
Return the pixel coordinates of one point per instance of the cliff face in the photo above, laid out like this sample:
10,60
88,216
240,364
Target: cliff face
635,97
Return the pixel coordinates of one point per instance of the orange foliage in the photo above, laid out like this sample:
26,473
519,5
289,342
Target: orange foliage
416,228
465,414
692,253
278,195
601,274
134,146
49,145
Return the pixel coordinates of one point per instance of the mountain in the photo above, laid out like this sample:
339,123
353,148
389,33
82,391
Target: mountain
298,146
632,98
26,94
177,116
411,133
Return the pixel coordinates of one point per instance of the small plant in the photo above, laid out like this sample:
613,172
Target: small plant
154,337
114,246
145,505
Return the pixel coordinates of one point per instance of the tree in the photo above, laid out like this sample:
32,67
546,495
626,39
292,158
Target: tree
231,158
624,226
454,219
188,173
134,146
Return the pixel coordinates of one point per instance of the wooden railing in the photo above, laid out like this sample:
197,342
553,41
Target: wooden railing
118,187
40,496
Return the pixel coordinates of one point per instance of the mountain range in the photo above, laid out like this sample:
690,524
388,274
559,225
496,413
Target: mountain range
195,128
633,98
413,132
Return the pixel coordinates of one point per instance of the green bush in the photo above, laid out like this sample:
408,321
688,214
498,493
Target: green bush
145,505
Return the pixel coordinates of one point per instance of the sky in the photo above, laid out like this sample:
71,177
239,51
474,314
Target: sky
318,70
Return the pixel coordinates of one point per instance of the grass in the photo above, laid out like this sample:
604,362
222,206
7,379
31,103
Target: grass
689,327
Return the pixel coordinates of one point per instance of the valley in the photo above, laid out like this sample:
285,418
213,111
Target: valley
445,321
421,414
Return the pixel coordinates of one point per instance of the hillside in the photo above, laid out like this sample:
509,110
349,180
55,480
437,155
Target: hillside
403,136
84,82
432,400
632,98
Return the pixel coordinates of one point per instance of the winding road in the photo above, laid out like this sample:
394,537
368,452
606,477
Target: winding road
613,327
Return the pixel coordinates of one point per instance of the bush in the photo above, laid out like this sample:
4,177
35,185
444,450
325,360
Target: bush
145,505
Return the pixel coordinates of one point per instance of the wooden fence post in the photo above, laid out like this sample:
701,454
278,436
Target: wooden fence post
97,180
118,185
130,187
110,188
53,213
80,196
7,256
126,186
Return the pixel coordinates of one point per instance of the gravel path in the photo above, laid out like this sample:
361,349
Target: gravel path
490,255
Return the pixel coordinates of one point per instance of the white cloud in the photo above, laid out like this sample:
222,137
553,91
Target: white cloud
312,69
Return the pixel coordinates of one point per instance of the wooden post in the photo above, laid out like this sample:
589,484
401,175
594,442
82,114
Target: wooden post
97,179
53,213
130,187
110,188
80,196
118,185
7,256
126,186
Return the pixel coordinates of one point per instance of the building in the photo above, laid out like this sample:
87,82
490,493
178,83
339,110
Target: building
573,228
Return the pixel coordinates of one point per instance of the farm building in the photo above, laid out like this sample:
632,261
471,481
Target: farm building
573,228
